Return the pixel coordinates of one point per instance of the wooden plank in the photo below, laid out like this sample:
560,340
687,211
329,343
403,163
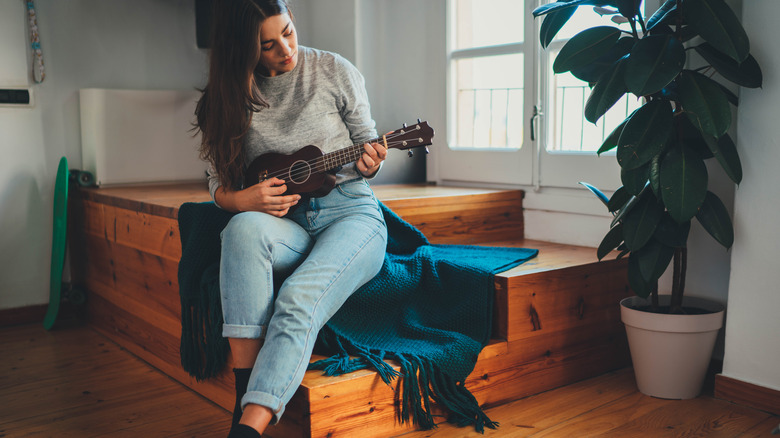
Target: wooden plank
696,417
563,299
156,347
763,429
73,382
533,414
148,233
133,276
164,199
756,396
156,199
467,219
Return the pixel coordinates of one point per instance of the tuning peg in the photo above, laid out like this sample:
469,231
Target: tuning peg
404,125
411,154
426,150
419,121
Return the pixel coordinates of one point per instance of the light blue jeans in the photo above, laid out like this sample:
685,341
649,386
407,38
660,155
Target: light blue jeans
320,253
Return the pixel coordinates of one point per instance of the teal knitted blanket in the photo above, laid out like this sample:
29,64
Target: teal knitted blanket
429,309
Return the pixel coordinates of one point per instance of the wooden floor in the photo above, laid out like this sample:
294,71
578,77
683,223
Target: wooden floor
73,382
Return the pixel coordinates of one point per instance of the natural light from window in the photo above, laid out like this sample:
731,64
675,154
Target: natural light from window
489,82
489,88
565,96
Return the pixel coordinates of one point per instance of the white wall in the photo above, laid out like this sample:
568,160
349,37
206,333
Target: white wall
143,44
752,351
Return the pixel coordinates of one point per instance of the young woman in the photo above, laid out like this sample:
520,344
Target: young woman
266,93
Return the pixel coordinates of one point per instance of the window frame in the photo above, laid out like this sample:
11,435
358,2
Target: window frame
535,167
485,165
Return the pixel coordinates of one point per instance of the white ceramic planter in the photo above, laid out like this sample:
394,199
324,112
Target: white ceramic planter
671,353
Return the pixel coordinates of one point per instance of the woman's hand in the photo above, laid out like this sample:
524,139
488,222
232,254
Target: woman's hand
369,162
265,196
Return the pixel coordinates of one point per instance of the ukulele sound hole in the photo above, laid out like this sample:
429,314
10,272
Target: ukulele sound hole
300,172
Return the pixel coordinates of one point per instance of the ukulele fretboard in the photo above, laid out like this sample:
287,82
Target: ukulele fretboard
344,156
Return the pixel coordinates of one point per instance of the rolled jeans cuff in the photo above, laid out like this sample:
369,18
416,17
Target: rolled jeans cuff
243,331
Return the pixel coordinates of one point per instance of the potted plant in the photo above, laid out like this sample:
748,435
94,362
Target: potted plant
661,149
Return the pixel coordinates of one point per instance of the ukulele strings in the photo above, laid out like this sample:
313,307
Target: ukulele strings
319,164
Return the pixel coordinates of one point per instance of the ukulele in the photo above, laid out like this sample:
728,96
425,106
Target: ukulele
308,170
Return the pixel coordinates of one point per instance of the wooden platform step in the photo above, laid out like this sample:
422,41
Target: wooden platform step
556,317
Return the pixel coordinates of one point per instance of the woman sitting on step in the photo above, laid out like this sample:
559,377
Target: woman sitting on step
265,93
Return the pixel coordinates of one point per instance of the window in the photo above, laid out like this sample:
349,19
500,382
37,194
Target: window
487,70
499,77
565,96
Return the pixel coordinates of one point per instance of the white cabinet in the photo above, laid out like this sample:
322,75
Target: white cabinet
13,44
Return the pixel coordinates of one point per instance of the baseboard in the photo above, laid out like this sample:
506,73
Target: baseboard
67,316
748,394
22,315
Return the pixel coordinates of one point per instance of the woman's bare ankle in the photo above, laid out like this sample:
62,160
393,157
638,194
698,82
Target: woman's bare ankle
257,417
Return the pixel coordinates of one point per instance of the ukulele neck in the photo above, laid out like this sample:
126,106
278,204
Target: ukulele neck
350,154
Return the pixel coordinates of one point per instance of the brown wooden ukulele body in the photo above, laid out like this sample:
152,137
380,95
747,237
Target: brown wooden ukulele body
309,171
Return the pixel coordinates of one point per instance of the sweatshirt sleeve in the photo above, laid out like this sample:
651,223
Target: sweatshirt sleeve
354,105
214,183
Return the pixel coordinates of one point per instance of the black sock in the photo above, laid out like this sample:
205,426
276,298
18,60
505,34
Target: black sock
242,380
243,431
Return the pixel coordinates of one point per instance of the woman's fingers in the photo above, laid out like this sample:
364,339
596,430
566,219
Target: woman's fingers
374,154
269,197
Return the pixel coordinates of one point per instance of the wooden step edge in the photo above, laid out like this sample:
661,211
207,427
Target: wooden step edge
315,379
552,256
164,199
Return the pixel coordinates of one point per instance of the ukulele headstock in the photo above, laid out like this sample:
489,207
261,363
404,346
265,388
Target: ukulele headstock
417,135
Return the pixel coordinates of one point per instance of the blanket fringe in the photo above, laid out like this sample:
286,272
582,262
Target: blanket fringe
203,350
421,381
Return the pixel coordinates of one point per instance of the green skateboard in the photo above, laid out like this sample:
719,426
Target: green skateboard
57,287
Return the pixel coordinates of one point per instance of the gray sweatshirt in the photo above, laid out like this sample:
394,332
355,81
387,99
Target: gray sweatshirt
321,102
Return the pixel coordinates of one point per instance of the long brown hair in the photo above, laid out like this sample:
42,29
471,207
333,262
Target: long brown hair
225,108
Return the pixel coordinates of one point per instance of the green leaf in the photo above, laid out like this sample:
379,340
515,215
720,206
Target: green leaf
683,183
634,180
628,8
611,241
592,72
608,90
636,281
599,194
639,224
714,217
553,23
725,151
556,6
653,260
612,139
718,25
704,103
625,209
670,233
618,199
663,15
730,96
690,137
654,175
585,47
653,63
747,73
645,134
